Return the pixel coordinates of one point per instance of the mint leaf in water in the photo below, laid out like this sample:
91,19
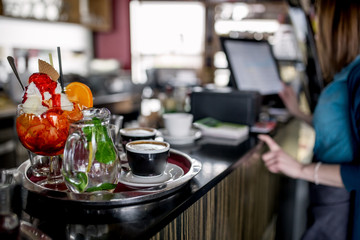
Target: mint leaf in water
105,152
88,131
80,181
104,186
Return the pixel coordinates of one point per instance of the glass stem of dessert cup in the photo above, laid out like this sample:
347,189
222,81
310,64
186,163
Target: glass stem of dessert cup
55,175
54,179
39,165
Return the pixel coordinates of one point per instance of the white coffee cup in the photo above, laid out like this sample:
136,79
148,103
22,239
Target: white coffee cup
178,124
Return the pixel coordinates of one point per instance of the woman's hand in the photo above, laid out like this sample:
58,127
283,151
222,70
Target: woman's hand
278,161
290,100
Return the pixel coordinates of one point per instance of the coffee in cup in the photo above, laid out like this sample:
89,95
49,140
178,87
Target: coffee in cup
147,158
136,133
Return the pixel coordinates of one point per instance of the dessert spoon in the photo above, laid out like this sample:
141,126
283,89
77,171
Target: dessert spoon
12,64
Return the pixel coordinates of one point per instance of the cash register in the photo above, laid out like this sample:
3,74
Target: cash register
255,81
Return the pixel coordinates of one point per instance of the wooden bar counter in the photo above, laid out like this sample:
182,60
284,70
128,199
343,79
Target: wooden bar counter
233,197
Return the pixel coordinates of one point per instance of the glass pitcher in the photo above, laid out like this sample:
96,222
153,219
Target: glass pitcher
90,161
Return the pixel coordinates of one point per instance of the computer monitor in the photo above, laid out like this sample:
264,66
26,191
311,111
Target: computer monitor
253,67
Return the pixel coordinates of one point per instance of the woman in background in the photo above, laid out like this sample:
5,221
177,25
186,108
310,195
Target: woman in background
335,195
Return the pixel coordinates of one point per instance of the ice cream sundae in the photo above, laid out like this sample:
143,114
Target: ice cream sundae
45,114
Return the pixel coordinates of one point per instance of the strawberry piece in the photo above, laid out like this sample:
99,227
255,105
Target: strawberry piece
44,83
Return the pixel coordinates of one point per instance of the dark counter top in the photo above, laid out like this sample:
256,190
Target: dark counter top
141,221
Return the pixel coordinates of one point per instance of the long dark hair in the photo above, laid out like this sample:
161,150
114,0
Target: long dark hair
338,39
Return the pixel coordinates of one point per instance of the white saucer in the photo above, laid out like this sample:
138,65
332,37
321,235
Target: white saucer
194,135
172,172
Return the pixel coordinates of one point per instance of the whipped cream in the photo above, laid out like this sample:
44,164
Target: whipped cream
66,105
37,103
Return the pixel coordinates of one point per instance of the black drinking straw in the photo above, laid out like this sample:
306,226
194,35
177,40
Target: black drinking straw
60,69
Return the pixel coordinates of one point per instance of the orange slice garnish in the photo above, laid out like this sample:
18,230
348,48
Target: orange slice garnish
79,93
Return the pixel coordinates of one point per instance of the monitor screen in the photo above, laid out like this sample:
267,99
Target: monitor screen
252,65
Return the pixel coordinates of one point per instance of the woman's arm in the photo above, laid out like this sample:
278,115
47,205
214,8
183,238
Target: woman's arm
291,102
278,161
325,174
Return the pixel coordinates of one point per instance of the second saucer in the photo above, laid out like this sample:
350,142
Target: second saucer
194,134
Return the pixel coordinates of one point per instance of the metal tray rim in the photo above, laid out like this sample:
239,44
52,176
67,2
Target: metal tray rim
107,198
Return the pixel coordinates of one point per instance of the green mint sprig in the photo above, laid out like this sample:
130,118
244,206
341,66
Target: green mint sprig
105,152
81,181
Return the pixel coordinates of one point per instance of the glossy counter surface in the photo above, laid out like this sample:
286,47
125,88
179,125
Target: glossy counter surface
143,221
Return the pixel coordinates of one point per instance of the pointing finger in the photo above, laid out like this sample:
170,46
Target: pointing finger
269,141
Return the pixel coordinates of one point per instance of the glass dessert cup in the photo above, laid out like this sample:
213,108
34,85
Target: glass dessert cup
43,132
91,161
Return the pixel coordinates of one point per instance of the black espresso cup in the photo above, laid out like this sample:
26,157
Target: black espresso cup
137,133
147,158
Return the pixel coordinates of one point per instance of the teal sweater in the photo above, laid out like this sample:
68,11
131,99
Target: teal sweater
350,173
337,126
